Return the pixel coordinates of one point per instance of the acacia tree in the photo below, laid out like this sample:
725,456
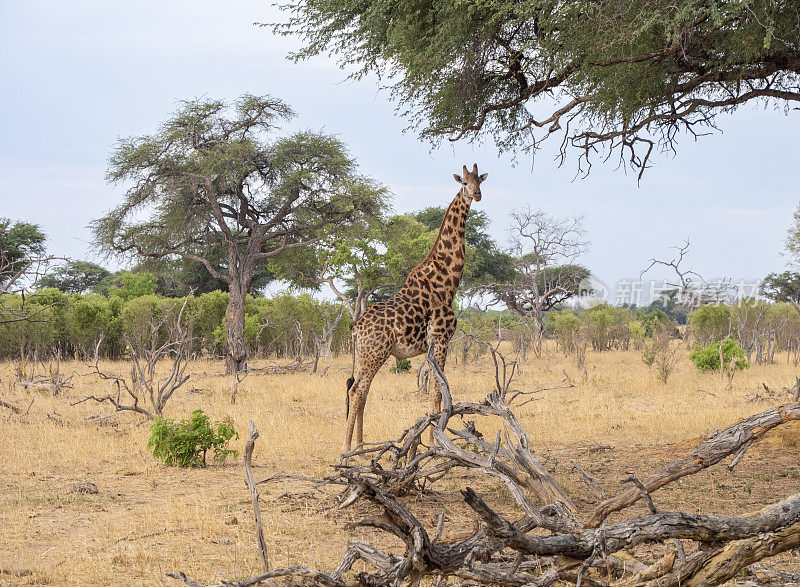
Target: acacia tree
545,250
623,76
21,244
373,258
74,277
211,178
23,263
785,287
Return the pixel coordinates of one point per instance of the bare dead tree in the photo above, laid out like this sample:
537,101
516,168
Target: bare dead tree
251,485
688,287
31,372
323,341
143,391
546,250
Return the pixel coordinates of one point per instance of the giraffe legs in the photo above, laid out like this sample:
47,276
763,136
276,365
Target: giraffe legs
440,330
440,354
358,396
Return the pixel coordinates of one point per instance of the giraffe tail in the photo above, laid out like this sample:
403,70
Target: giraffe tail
350,382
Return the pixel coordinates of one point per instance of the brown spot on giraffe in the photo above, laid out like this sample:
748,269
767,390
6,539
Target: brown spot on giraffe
419,315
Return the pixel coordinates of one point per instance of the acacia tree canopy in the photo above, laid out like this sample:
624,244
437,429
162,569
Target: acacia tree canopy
372,260
213,186
20,244
785,287
74,277
620,76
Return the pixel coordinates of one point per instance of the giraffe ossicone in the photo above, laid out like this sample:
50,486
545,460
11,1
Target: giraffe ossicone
420,314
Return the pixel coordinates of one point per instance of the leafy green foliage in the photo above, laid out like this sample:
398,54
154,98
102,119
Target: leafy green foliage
710,323
639,70
178,277
126,285
783,287
19,242
565,326
372,260
185,443
74,277
725,355
401,366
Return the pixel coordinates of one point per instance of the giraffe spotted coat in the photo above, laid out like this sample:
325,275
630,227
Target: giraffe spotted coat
420,314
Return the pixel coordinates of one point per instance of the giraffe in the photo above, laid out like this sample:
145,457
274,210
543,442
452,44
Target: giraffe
420,314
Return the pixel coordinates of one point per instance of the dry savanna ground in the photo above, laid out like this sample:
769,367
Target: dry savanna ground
148,519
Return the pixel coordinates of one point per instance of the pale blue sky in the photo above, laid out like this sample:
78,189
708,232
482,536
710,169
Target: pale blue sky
75,76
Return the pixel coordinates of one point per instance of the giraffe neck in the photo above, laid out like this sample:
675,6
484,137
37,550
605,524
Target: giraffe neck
444,264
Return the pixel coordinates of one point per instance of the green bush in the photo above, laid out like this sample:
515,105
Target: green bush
710,323
185,443
401,366
565,326
708,358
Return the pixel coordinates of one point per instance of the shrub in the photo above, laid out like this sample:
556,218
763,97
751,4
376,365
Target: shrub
566,325
727,357
638,332
658,351
709,358
401,366
185,443
710,323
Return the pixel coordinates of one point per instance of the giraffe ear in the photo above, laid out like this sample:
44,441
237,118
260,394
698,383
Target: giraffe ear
458,178
483,176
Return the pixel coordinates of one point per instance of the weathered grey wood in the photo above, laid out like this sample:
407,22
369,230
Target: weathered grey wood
719,445
589,480
499,575
251,484
642,529
495,552
541,482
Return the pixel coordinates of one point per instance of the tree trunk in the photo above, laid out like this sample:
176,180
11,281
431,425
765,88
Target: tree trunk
235,345
538,333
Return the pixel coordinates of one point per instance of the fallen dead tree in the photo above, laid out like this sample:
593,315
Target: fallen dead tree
548,541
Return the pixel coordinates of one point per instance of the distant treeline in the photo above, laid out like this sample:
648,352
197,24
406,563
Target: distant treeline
761,329
294,325
73,324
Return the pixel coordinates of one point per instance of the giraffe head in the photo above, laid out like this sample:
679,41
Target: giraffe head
470,183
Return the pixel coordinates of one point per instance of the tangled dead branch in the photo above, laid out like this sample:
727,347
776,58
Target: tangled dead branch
145,392
31,372
551,541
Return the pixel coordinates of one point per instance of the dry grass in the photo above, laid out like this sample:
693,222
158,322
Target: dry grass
148,519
